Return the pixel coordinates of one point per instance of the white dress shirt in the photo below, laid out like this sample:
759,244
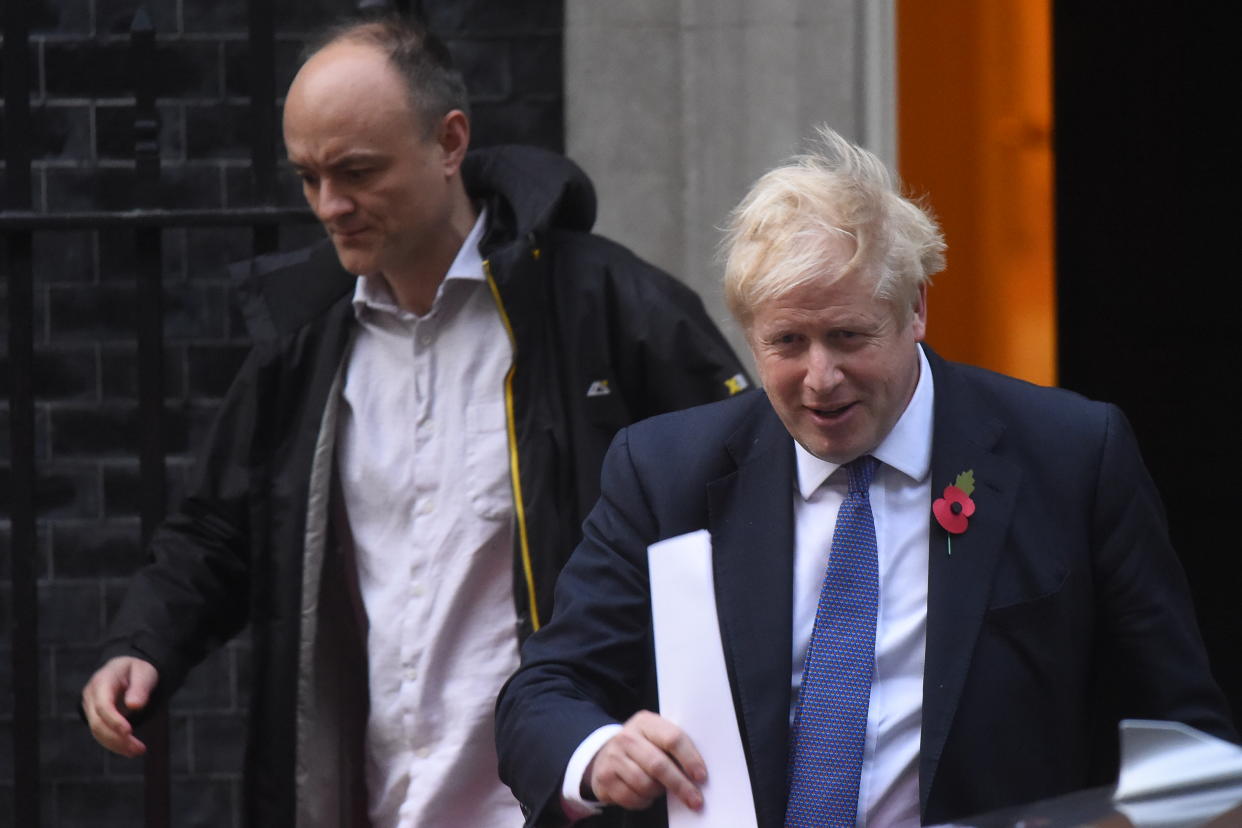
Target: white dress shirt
424,465
901,505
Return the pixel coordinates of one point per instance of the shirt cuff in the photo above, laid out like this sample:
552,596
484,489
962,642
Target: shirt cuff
572,803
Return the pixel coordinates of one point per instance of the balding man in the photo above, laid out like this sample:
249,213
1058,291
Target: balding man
402,465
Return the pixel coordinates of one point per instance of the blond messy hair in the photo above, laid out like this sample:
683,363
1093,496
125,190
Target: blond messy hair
823,215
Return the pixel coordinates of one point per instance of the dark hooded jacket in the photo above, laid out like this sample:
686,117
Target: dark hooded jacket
600,340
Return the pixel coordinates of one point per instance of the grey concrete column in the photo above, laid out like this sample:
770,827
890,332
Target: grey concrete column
675,106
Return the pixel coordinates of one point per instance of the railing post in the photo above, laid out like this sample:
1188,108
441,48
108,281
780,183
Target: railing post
263,116
23,569
150,308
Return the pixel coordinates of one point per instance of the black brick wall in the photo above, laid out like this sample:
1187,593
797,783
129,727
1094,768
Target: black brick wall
86,374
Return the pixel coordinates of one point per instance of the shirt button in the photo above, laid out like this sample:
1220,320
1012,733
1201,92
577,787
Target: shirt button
423,752
426,507
411,673
419,590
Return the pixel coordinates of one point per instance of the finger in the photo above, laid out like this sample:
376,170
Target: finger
108,724
618,780
636,779
118,738
645,766
99,699
142,679
661,767
127,745
131,747
687,756
673,740
630,799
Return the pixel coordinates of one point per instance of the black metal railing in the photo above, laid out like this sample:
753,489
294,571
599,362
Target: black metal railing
148,220
22,565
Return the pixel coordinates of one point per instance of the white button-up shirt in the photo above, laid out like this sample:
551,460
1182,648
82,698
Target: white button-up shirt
424,464
901,505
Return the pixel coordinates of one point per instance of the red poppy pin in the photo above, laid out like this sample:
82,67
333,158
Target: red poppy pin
954,509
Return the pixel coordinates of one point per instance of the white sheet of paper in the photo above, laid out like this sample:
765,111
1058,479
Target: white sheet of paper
1193,809
1161,757
692,679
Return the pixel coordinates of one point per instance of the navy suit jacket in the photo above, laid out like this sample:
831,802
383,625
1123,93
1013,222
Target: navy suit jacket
1062,608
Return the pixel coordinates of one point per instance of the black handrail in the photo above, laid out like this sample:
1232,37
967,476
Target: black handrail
148,247
263,115
26,220
19,261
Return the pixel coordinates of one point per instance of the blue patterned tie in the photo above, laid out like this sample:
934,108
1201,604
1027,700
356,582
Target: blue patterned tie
830,727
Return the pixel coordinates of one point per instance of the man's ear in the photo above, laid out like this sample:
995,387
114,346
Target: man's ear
453,136
918,317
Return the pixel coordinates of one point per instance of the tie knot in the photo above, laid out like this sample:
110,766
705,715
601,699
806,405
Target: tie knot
860,472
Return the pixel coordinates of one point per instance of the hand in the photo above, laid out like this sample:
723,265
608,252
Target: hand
122,682
648,757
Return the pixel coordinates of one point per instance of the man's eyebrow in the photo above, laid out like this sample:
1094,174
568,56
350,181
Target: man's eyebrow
355,157
342,160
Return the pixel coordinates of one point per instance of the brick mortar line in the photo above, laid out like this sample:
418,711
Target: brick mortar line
285,36
63,164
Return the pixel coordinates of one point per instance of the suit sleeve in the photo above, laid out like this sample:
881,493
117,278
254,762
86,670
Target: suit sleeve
588,666
192,594
1154,662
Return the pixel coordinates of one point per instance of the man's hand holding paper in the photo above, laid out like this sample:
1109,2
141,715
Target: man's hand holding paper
648,757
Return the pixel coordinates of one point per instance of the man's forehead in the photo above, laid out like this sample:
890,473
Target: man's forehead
343,61
346,95
348,78
852,296
830,284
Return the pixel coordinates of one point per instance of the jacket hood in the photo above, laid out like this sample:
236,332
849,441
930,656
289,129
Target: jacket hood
528,191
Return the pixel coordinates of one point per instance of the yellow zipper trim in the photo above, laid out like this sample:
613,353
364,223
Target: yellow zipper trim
514,475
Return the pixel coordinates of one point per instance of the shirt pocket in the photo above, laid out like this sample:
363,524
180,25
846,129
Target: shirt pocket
487,461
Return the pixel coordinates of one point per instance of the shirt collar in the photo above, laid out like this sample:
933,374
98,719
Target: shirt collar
469,261
907,448
374,294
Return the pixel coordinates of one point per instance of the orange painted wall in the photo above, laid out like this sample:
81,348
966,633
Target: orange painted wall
974,103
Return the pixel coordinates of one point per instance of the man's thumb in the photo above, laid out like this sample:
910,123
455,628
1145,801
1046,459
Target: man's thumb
139,691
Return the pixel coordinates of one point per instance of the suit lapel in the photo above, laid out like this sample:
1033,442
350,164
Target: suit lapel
959,584
751,522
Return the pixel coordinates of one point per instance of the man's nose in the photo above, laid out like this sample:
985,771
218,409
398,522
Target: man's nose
332,203
823,370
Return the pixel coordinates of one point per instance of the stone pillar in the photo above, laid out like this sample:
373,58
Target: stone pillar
675,106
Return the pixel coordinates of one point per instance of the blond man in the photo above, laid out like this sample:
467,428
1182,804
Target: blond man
938,588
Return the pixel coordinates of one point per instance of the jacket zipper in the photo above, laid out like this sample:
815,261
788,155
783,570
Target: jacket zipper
514,471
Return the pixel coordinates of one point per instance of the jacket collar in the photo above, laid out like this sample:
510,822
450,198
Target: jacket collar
528,191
